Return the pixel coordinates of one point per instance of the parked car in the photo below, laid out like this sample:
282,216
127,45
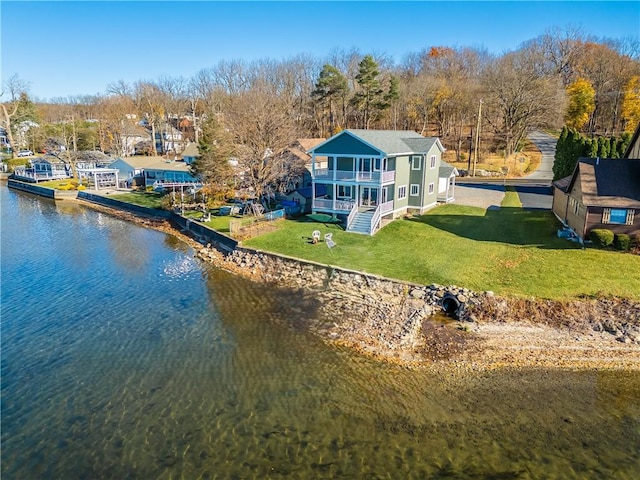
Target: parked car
25,153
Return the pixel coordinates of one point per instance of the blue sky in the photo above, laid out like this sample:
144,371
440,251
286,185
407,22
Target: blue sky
77,48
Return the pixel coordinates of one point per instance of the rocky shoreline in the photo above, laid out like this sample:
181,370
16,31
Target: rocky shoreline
403,323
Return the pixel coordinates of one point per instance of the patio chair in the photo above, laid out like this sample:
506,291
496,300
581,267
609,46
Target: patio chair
315,236
328,239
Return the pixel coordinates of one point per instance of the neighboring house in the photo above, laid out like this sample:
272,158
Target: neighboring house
601,193
304,196
376,174
190,153
297,156
47,167
154,172
4,139
171,139
131,136
89,159
22,132
633,150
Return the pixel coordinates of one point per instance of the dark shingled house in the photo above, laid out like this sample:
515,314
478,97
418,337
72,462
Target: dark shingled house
601,193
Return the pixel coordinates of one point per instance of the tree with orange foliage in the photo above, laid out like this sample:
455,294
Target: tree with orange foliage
631,104
582,103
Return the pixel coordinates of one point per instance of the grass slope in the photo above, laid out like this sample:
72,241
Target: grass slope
508,250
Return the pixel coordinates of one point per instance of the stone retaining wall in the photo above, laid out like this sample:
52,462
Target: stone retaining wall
375,314
42,191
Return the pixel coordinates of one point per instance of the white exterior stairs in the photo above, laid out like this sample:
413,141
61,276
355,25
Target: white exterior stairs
362,221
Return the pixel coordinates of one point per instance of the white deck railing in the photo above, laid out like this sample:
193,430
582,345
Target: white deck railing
332,204
352,214
349,175
29,173
381,210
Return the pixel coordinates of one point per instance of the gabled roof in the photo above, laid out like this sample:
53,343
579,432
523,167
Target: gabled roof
154,163
308,143
191,150
563,183
390,142
447,170
49,158
608,182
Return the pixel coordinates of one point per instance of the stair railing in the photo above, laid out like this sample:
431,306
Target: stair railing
375,220
352,214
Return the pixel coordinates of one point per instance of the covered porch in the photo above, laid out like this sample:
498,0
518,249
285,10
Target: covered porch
379,170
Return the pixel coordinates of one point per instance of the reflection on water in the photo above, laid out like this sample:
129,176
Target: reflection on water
123,357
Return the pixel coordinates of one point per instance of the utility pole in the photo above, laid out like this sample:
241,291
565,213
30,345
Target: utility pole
475,155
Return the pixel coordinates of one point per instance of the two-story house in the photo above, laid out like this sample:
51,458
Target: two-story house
374,174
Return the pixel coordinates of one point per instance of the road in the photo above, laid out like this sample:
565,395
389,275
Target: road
534,189
547,146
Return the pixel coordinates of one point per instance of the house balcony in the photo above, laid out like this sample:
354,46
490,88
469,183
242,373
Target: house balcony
333,205
378,177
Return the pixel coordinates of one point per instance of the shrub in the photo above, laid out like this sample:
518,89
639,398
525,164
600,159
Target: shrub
81,187
622,241
601,237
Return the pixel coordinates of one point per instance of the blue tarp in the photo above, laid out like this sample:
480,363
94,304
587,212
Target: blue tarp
275,214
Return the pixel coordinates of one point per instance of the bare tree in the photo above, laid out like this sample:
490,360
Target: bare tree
519,100
12,88
262,128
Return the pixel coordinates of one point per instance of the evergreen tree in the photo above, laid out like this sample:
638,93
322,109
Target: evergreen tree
330,87
592,148
216,148
604,147
370,97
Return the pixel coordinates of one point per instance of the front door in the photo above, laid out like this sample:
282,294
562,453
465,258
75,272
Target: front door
369,196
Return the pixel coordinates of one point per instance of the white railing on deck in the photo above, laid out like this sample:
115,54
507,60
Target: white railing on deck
375,220
373,177
386,207
381,210
331,204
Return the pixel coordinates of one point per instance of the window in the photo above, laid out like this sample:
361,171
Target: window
344,191
402,192
618,216
416,162
433,161
575,206
376,164
415,190
431,188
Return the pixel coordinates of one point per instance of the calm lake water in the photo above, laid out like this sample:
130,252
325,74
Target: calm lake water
124,357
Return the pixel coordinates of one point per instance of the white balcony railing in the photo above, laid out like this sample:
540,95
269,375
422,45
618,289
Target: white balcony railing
332,204
386,207
349,175
388,176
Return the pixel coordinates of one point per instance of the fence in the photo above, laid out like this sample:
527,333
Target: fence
247,227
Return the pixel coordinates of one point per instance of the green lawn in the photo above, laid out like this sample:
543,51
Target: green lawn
508,250
217,222
144,199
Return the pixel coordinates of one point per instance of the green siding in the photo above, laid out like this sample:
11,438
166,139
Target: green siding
345,143
402,178
415,176
431,176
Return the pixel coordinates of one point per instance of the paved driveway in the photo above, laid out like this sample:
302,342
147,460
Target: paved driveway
535,197
547,146
481,195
